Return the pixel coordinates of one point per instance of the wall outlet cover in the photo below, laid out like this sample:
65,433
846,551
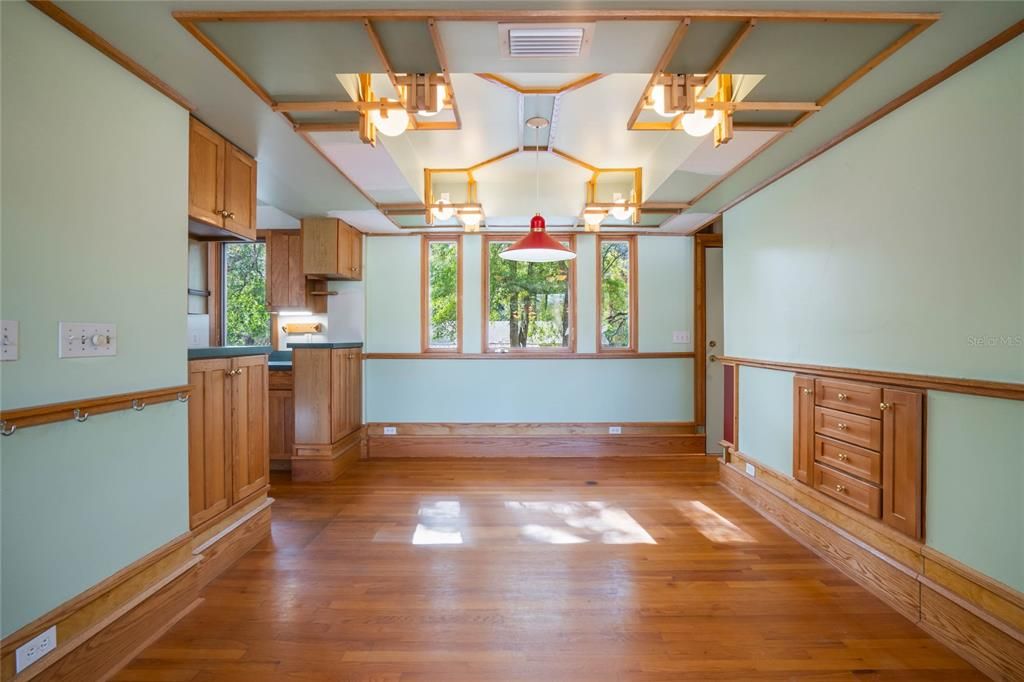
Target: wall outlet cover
751,469
681,337
9,332
34,649
615,429
390,430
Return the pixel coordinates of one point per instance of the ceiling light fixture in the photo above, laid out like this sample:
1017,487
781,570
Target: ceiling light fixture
441,94
388,121
537,246
441,211
622,212
592,220
471,220
701,122
658,102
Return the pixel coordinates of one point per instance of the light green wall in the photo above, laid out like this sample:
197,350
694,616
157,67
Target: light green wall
93,229
975,510
902,249
766,417
532,390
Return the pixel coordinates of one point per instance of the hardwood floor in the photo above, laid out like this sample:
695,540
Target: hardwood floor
521,570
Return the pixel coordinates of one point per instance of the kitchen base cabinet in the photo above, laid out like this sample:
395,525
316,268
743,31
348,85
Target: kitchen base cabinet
227,434
328,394
282,420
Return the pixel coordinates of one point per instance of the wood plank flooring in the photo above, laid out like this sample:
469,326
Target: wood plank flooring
540,570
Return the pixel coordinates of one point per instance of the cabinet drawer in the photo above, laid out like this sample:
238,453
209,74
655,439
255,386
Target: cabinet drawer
849,459
849,428
862,496
848,396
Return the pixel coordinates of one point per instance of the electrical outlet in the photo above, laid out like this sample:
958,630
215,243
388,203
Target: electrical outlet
9,332
615,429
681,337
751,470
390,430
34,649
87,339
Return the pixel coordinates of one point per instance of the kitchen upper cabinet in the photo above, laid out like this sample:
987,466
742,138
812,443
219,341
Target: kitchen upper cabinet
221,187
287,286
331,249
228,437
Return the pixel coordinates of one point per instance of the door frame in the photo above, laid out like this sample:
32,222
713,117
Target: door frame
702,242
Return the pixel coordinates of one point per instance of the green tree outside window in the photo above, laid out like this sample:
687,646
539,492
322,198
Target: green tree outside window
247,320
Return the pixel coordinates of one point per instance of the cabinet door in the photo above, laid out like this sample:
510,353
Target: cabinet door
240,192
803,429
320,248
902,460
206,150
340,378
356,253
281,407
277,270
355,388
209,485
249,426
296,278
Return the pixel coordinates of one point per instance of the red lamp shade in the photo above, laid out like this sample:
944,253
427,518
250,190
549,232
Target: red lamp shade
537,246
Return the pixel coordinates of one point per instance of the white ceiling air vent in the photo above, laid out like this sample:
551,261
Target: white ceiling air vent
545,41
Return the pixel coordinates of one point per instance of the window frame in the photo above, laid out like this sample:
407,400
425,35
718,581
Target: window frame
222,287
485,303
634,334
425,241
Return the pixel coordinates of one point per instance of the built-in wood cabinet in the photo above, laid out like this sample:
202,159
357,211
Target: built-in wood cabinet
331,249
227,434
221,187
287,285
328,394
282,419
863,446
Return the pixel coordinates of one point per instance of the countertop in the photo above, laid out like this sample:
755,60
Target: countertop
280,361
328,344
226,352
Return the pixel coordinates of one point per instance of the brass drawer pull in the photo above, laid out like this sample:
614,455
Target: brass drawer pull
841,426
843,396
842,456
840,488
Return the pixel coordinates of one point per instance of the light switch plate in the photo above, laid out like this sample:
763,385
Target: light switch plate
87,339
9,332
681,337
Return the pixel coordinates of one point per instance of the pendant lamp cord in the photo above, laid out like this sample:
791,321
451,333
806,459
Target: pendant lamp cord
536,165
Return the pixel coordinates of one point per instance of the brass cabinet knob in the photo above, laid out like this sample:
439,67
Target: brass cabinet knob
884,406
234,372
840,488
231,215
842,456
807,391
843,396
841,426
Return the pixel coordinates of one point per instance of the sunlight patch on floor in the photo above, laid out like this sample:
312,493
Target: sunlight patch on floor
439,524
710,523
580,522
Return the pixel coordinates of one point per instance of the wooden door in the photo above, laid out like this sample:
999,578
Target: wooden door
340,379
249,426
240,192
355,388
803,429
206,150
902,460
209,481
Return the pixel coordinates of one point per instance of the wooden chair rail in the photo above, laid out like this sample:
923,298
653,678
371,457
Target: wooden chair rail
530,355
81,410
993,389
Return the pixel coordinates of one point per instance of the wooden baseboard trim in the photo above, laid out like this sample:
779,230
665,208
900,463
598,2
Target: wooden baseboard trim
638,439
324,463
133,607
977,617
157,634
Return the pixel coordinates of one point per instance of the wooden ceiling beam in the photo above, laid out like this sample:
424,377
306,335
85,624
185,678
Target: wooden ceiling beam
545,90
730,50
666,57
442,60
327,127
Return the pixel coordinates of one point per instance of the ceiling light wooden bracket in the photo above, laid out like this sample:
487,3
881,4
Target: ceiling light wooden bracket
724,129
421,91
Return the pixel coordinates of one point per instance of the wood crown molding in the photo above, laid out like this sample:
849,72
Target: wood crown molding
983,387
97,41
36,415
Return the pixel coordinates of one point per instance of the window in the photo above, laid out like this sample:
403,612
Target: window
442,294
528,306
617,295
247,320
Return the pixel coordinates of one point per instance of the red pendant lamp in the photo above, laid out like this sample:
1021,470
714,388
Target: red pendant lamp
537,246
